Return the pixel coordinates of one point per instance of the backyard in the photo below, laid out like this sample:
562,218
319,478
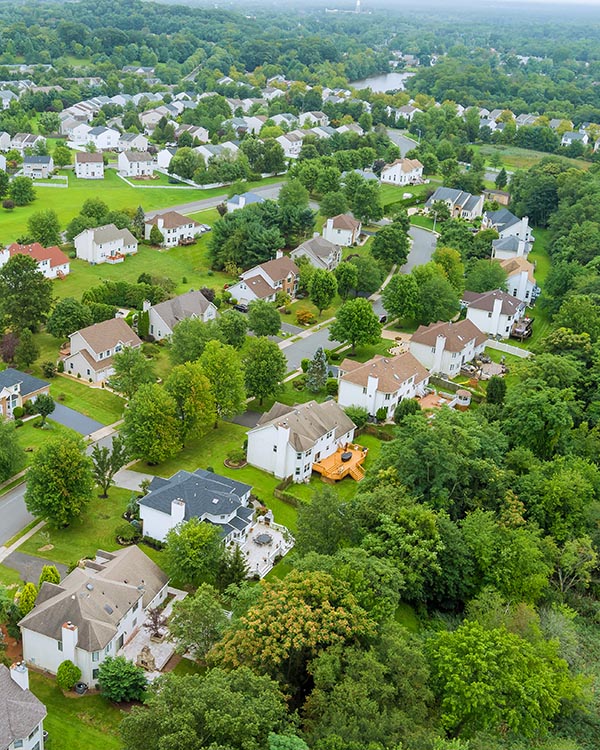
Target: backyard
521,158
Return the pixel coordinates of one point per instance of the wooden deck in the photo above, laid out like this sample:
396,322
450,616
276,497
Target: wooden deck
332,468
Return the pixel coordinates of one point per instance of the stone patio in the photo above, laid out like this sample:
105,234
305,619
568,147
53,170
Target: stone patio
262,557
160,652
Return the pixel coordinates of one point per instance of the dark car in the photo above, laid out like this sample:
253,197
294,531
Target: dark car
241,308
383,318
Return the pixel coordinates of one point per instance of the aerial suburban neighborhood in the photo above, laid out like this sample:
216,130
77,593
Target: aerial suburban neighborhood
299,375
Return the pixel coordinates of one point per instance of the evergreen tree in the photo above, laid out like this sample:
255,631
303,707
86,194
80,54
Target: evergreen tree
27,597
232,568
317,373
156,236
49,573
501,179
138,225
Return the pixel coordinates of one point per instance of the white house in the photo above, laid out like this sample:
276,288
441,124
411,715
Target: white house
291,143
135,164
132,142
402,172
78,134
289,439
196,131
494,312
164,156
381,383
3,162
38,167
92,612
5,140
16,388
89,166
103,138
461,205
52,262
208,150
285,119
407,111
573,137
313,118
105,244
91,350
515,235
320,252
241,201
21,713
444,347
265,280
164,316
520,279
175,228
343,230
214,499
6,97
22,141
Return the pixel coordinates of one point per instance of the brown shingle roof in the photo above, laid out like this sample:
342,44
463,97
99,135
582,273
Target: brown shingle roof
457,335
103,336
392,372
83,157
485,301
280,268
516,265
307,422
345,221
259,286
173,220
407,165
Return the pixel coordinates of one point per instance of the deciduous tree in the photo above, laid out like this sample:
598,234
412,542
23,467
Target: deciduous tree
263,318
12,455
121,680
194,399
198,621
44,227
222,366
25,294
131,371
107,462
192,552
68,315
322,289
265,367
151,429
356,323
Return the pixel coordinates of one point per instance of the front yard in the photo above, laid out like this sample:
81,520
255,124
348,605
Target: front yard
94,530
87,721
31,438
96,403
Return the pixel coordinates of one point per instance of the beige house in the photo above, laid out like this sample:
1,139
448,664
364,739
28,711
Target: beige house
320,252
91,350
445,347
163,317
135,164
263,282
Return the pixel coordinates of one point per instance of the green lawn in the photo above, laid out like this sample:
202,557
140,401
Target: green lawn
97,403
94,530
9,577
368,351
422,221
288,395
32,438
88,721
116,193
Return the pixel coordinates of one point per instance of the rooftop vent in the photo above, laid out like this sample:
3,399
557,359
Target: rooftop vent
89,586
108,608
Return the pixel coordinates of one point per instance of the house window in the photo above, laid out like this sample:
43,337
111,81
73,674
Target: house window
329,434
95,656
59,645
120,641
298,455
32,735
388,396
364,390
95,673
307,468
274,449
489,315
107,649
18,743
297,472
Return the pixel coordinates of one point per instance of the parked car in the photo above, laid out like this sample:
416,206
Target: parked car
241,308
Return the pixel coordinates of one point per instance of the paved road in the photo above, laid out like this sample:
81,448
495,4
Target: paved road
269,191
13,513
305,348
75,420
423,245
401,140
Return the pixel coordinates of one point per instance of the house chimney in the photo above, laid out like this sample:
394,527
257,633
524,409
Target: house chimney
20,674
70,637
146,305
177,511
279,254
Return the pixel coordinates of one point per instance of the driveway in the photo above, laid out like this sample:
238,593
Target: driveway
74,419
404,143
423,246
305,348
13,514
247,419
30,567
131,480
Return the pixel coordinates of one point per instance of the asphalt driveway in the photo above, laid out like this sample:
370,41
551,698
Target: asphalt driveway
75,420
306,348
30,567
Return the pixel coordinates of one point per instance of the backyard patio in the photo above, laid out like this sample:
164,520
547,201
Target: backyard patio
266,543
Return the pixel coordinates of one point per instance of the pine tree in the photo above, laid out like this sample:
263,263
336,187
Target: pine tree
501,179
27,597
317,373
232,568
156,236
139,223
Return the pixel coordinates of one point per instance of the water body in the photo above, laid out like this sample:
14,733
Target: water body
384,82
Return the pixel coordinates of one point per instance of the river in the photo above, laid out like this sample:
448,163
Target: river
383,82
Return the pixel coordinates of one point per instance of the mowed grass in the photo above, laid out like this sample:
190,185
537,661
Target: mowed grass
31,438
88,721
188,267
116,193
96,403
94,530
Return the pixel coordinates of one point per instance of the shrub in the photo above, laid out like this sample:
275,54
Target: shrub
18,423
8,204
184,280
405,407
49,369
381,414
67,675
127,533
211,469
331,387
299,383
121,680
29,408
358,414
304,317
305,364
61,366
18,412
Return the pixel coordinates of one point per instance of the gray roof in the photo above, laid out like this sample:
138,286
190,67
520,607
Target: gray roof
20,710
573,136
203,493
502,219
248,199
98,130
28,384
307,422
109,232
137,156
96,597
318,246
36,160
471,203
456,197
188,305
510,244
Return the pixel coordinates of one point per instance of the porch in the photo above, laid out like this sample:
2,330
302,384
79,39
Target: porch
346,461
